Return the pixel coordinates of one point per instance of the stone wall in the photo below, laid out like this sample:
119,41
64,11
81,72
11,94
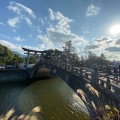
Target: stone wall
13,76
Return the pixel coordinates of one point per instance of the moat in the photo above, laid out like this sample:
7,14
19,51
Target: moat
57,100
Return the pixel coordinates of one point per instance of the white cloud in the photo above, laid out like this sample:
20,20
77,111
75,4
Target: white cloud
62,21
58,36
51,14
45,40
2,23
5,36
118,42
32,48
30,35
12,22
104,41
42,21
92,10
11,46
113,49
105,45
45,47
14,30
38,29
18,48
20,11
18,38
90,47
59,31
28,21
100,44
18,8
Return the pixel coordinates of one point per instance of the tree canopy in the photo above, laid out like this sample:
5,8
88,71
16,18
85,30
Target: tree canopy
6,54
69,52
52,53
8,57
94,59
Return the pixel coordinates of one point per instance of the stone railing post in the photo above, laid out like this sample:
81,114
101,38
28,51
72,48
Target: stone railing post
117,90
102,83
60,64
92,75
72,69
108,85
96,78
95,75
65,66
86,75
81,71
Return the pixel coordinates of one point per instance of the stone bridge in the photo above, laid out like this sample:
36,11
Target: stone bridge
77,77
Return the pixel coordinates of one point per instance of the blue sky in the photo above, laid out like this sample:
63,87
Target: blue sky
92,25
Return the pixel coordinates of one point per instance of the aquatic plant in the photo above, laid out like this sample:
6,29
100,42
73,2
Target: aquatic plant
97,110
31,116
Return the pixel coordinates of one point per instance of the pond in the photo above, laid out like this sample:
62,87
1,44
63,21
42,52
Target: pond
57,100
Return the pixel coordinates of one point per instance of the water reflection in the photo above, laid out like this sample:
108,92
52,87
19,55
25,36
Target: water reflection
57,99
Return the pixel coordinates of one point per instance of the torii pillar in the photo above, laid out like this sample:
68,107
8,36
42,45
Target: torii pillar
28,55
35,54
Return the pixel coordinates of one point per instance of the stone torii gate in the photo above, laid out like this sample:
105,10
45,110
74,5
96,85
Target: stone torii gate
33,52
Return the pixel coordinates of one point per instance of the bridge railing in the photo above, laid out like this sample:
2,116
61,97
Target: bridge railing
110,84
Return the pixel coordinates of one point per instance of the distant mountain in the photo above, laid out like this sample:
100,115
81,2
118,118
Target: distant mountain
21,55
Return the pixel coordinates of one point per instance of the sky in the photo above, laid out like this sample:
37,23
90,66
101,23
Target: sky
91,25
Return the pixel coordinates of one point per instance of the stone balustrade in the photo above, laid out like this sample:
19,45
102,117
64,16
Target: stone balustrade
105,83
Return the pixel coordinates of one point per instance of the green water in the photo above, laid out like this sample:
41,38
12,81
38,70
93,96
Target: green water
57,100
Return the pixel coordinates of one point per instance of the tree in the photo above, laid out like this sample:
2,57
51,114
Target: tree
69,52
102,56
68,48
17,58
91,55
32,59
6,54
82,59
94,59
51,52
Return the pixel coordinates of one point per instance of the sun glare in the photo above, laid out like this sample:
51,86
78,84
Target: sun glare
115,29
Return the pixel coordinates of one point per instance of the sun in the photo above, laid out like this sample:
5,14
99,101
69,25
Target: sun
115,30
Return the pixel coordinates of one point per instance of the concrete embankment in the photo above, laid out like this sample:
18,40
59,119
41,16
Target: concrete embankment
13,75
22,75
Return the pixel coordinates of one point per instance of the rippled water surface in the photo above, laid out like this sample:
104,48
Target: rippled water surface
57,100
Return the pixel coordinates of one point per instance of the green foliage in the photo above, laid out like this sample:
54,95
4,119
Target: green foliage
82,59
94,59
102,56
68,48
32,59
6,54
17,58
7,57
51,52
69,52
